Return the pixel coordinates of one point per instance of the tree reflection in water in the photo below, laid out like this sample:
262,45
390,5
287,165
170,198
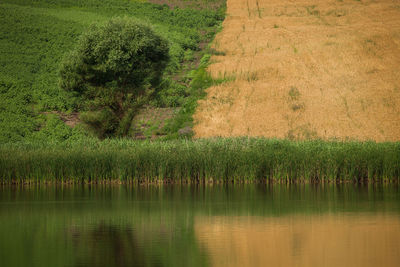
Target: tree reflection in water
110,245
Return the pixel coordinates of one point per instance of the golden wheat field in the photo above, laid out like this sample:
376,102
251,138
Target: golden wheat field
305,69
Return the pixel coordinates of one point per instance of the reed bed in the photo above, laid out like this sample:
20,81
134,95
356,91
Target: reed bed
200,161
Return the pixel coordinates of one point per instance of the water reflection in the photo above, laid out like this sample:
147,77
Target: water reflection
147,244
108,245
327,240
241,225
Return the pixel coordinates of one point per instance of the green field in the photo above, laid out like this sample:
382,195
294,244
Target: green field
36,35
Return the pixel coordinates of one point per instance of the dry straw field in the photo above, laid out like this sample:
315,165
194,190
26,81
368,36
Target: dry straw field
305,69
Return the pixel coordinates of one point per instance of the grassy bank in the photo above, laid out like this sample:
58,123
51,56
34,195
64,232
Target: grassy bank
219,160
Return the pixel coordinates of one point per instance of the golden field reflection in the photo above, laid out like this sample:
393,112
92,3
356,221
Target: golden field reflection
327,240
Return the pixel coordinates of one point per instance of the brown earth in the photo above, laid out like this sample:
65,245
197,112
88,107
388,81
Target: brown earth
71,119
308,240
304,69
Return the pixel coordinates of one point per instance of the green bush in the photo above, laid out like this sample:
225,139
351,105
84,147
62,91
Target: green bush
115,68
16,120
53,129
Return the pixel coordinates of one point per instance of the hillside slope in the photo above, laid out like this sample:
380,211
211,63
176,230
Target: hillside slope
306,69
36,35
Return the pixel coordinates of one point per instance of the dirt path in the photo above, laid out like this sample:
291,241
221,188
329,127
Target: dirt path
306,69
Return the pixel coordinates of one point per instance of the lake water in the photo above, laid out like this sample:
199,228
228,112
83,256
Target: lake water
241,225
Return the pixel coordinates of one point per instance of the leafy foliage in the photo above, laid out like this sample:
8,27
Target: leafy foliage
53,129
16,120
114,67
122,53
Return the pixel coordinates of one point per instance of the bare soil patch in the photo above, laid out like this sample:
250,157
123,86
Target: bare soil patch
149,122
70,119
306,69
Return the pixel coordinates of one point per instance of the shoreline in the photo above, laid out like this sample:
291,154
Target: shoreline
208,182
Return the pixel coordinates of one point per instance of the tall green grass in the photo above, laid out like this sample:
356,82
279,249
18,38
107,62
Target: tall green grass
217,160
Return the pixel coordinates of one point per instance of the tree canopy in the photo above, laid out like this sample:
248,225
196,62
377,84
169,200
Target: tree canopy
114,68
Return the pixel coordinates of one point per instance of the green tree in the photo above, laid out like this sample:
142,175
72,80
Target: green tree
115,68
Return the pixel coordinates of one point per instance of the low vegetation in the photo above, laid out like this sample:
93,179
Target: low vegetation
216,160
